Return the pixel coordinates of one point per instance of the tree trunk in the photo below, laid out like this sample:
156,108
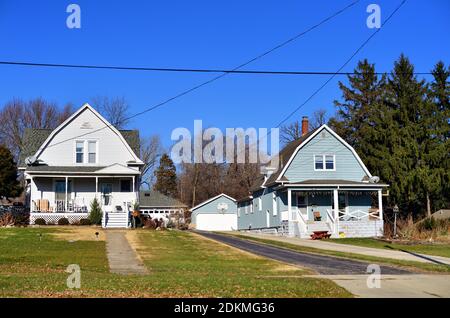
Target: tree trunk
428,205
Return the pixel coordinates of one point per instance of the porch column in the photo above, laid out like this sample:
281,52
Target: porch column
31,198
289,205
336,211
134,181
96,187
380,204
67,185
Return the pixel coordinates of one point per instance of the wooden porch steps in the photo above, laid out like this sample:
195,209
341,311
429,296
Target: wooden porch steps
115,220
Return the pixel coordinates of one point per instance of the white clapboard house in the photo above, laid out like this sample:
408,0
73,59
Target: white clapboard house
83,158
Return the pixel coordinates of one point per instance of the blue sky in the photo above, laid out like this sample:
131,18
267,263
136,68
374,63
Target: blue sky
207,34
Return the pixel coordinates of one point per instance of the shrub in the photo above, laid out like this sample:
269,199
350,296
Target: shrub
7,219
428,224
85,222
149,223
40,221
63,221
22,219
95,215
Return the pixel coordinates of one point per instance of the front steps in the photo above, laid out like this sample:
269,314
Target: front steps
115,220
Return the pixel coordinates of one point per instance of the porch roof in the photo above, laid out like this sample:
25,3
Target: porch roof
334,182
61,170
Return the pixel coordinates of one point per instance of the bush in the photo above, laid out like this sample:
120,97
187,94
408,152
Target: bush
95,216
428,224
63,221
40,221
7,219
85,222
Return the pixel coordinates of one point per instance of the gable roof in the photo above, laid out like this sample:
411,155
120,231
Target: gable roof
290,150
212,199
158,200
34,138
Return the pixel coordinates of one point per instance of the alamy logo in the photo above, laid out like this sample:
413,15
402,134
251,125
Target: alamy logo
74,279
73,21
374,19
374,279
238,145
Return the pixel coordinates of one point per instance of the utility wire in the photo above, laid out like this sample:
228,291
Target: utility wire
343,65
224,74
185,70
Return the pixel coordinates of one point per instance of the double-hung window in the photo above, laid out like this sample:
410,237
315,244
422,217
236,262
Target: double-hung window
92,152
324,162
79,151
86,151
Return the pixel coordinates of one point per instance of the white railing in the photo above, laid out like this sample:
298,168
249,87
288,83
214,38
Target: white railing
357,215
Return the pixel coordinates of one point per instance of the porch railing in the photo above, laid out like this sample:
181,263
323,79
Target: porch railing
358,215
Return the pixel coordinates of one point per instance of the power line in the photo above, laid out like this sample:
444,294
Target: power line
184,70
295,37
343,65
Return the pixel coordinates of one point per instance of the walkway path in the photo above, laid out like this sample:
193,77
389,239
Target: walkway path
346,248
122,258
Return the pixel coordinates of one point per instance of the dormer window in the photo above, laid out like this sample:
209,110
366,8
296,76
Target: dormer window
324,162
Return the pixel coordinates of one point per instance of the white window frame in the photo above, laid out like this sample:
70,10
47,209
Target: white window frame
75,152
324,162
239,212
259,204
274,204
86,152
251,206
246,209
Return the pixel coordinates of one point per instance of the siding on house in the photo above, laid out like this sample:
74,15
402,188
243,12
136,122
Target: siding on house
110,147
302,166
263,216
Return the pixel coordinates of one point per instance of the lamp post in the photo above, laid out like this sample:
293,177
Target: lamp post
395,210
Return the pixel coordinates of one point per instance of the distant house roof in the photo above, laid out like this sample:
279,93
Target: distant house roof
441,214
149,199
33,138
212,199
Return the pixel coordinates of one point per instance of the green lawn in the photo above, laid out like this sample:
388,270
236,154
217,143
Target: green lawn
180,264
410,265
439,249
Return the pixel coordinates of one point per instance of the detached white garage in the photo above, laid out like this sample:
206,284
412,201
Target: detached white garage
216,214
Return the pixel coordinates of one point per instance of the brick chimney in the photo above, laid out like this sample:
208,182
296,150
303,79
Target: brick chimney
305,124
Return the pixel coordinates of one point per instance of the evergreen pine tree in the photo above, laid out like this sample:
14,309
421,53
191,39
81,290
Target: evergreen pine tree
166,177
9,185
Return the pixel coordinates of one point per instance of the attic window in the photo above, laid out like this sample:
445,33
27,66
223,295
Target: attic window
324,162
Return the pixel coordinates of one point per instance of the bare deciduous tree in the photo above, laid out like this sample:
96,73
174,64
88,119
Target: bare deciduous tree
319,118
290,132
293,131
17,115
115,109
151,150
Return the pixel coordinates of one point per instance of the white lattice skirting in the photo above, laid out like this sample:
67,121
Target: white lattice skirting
55,217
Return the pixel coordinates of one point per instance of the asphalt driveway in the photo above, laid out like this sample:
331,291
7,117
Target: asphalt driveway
324,265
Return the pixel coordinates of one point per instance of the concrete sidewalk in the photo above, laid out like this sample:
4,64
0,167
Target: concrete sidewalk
346,248
395,286
122,258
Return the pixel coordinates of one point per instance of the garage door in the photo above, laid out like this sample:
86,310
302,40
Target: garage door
216,222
